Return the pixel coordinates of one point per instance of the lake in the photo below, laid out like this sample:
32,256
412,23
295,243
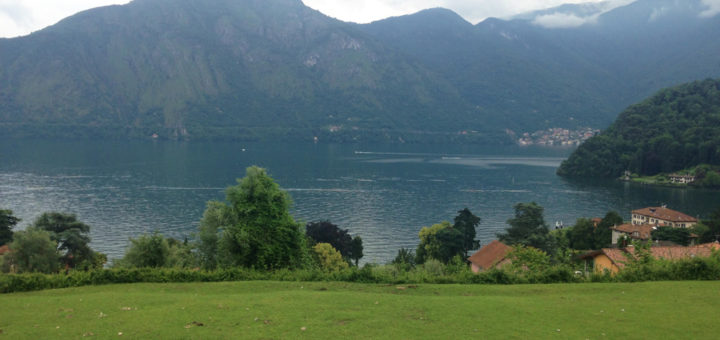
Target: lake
384,193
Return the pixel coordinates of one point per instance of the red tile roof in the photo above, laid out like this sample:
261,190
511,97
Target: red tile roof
4,249
644,230
620,257
665,214
489,255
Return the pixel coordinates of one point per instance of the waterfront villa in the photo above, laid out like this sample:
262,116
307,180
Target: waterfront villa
662,216
682,179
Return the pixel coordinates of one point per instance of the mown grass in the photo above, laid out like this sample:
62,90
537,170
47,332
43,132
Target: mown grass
332,310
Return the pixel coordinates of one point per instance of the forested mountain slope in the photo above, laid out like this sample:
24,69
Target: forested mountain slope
675,129
276,69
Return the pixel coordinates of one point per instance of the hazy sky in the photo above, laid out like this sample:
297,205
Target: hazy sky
21,17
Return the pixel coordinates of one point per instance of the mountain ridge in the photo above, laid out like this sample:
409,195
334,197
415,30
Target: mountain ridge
280,70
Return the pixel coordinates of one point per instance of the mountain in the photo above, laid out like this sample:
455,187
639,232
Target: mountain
278,70
522,75
235,69
675,129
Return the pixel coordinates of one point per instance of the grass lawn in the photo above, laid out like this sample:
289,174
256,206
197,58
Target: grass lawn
289,310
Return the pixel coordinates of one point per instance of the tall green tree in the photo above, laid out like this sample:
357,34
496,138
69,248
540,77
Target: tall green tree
466,222
602,235
712,232
581,235
32,250
7,222
527,228
71,236
356,249
256,227
213,222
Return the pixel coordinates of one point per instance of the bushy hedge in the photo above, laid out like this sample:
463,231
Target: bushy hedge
655,270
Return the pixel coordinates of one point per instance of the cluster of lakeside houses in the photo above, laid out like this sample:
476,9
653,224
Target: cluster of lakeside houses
557,136
643,222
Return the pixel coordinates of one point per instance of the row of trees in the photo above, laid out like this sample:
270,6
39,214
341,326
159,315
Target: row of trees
52,242
528,232
252,229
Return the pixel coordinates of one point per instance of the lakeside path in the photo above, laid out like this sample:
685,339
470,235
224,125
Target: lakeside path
332,310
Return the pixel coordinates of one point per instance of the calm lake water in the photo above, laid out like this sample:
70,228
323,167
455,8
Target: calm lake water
384,193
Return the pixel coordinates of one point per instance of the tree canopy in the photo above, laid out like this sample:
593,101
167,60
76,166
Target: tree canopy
675,129
440,241
326,232
72,238
7,222
711,232
527,228
466,222
32,250
253,228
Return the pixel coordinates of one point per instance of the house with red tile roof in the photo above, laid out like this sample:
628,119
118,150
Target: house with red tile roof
492,255
640,232
4,249
662,216
614,259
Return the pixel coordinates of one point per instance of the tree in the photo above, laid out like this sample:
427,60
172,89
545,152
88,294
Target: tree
326,232
32,250
180,254
71,236
356,249
712,231
581,235
7,222
523,258
527,228
602,235
466,223
209,233
440,241
147,251
255,225
679,236
405,259
329,258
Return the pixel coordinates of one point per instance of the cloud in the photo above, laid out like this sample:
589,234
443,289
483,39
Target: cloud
570,20
713,8
15,18
562,20
363,11
658,12
23,17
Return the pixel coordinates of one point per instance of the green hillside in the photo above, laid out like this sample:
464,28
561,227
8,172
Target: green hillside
221,68
675,129
279,70
329,310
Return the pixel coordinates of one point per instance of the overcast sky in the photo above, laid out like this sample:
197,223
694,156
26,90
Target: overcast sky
21,17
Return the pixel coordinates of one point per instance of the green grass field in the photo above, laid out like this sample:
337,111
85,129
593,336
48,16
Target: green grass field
289,310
